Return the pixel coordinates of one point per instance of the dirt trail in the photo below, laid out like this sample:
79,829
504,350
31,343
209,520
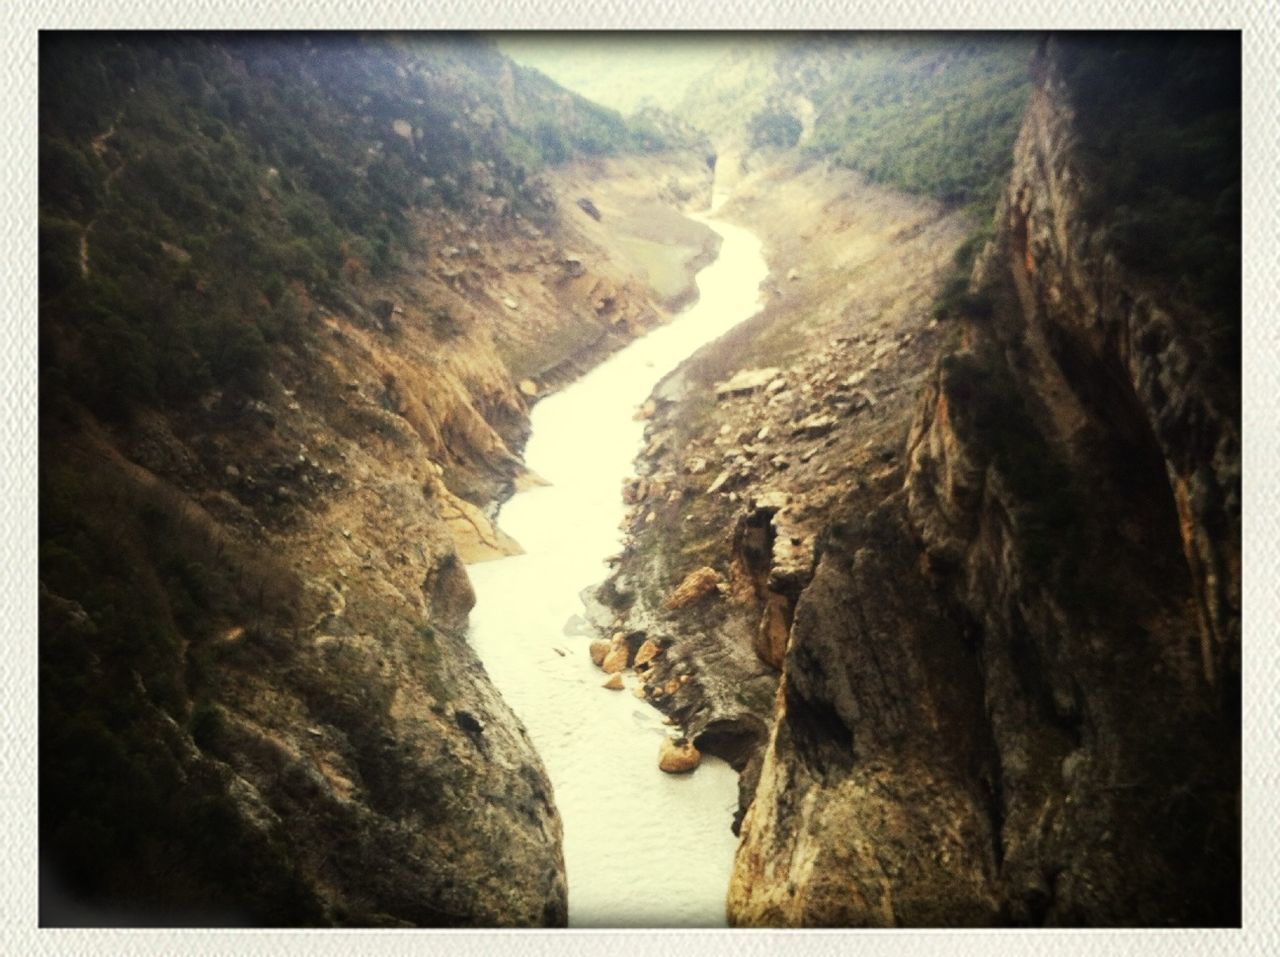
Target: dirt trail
99,146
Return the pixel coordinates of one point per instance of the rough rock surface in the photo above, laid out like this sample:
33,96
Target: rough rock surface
1012,688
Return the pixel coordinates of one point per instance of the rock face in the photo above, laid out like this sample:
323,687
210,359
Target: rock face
1012,688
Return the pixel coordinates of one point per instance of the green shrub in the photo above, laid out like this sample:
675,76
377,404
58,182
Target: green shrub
934,115
1159,123
774,127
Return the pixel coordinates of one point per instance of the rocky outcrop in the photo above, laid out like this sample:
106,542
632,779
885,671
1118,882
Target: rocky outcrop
1012,688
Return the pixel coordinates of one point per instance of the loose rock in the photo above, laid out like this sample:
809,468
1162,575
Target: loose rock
648,651
599,651
616,659
696,585
678,758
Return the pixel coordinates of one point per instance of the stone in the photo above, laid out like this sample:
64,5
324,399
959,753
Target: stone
599,651
678,757
614,683
648,651
746,382
696,585
528,388
510,303
616,659
814,426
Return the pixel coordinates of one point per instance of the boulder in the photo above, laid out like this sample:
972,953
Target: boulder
599,651
696,585
746,382
616,659
678,757
648,651
814,426
614,683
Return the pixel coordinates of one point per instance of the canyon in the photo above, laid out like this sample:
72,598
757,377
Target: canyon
928,562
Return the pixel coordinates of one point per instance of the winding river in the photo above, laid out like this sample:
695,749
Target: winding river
642,848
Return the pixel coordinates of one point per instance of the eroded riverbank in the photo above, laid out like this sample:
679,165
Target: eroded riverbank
642,848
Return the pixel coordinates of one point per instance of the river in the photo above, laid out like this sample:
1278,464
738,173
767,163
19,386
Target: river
642,848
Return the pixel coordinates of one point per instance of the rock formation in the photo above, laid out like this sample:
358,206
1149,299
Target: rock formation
1012,687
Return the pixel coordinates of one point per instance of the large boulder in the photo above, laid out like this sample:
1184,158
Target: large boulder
678,756
746,382
696,585
599,651
616,659
648,651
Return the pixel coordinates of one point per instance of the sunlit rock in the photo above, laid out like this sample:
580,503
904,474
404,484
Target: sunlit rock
678,757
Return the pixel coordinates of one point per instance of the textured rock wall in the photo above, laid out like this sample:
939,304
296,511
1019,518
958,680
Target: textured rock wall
1011,693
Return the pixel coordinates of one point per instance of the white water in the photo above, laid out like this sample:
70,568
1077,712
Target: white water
642,848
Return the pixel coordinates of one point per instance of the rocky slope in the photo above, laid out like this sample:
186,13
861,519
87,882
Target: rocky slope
1011,692
757,440
257,701
950,570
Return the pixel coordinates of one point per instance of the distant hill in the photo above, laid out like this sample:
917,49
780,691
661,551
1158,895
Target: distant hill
658,70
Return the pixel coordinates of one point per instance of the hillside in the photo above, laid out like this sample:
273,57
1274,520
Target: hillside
297,295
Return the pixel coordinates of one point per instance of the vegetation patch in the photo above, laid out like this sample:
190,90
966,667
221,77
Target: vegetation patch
1159,123
932,115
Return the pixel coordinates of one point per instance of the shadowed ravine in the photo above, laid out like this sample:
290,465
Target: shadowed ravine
641,847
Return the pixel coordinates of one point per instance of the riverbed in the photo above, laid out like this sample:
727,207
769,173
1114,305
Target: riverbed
642,848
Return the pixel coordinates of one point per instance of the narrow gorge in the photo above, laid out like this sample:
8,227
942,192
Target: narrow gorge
801,491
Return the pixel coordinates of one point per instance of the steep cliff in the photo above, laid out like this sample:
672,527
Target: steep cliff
1011,693
297,297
